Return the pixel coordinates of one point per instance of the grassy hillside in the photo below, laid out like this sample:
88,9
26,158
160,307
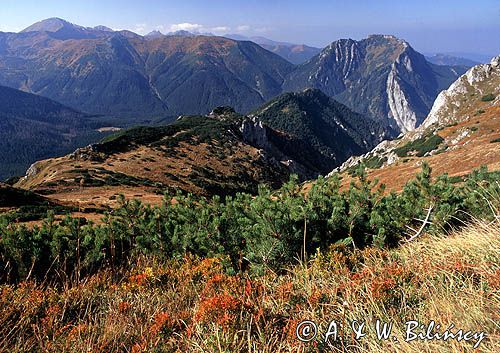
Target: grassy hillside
195,154
458,145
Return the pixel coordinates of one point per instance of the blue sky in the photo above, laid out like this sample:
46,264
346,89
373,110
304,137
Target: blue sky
429,25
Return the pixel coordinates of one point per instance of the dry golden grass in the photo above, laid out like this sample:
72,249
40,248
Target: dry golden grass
192,305
461,158
174,168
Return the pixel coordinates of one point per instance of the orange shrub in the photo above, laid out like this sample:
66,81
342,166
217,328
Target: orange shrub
124,307
162,323
220,308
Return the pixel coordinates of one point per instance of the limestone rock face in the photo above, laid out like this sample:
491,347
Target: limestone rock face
255,132
32,170
474,93
400,108
479,81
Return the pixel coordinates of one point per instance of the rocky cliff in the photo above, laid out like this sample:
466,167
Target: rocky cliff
481,81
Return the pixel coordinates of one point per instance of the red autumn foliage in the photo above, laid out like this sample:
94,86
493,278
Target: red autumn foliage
221,309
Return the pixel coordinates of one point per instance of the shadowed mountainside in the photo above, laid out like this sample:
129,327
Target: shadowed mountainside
34,128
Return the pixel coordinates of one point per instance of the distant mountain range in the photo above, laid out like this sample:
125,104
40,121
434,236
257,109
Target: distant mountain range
445,59
123,74
62,29
294,53
133,79
475,57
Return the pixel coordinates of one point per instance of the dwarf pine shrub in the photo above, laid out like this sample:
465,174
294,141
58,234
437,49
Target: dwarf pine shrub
271,229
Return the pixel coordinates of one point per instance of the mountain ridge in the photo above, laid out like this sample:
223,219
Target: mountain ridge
380,76
119,73
294,53
482,81
446,59
220,153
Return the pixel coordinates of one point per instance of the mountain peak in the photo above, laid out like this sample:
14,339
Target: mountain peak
314,94
103,29
181,33
387,38
372,38
329,126
53,24
383,36
154,34
380,76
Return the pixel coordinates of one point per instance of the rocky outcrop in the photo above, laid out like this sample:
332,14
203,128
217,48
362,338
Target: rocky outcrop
383,151
88,153
257,134
32,171
478,82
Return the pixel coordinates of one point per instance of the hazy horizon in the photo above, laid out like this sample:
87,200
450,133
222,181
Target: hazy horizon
458,27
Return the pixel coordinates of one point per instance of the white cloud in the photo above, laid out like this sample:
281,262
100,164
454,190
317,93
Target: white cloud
243,28
199,28
262,30
220,29
186,26
9,29
140,28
